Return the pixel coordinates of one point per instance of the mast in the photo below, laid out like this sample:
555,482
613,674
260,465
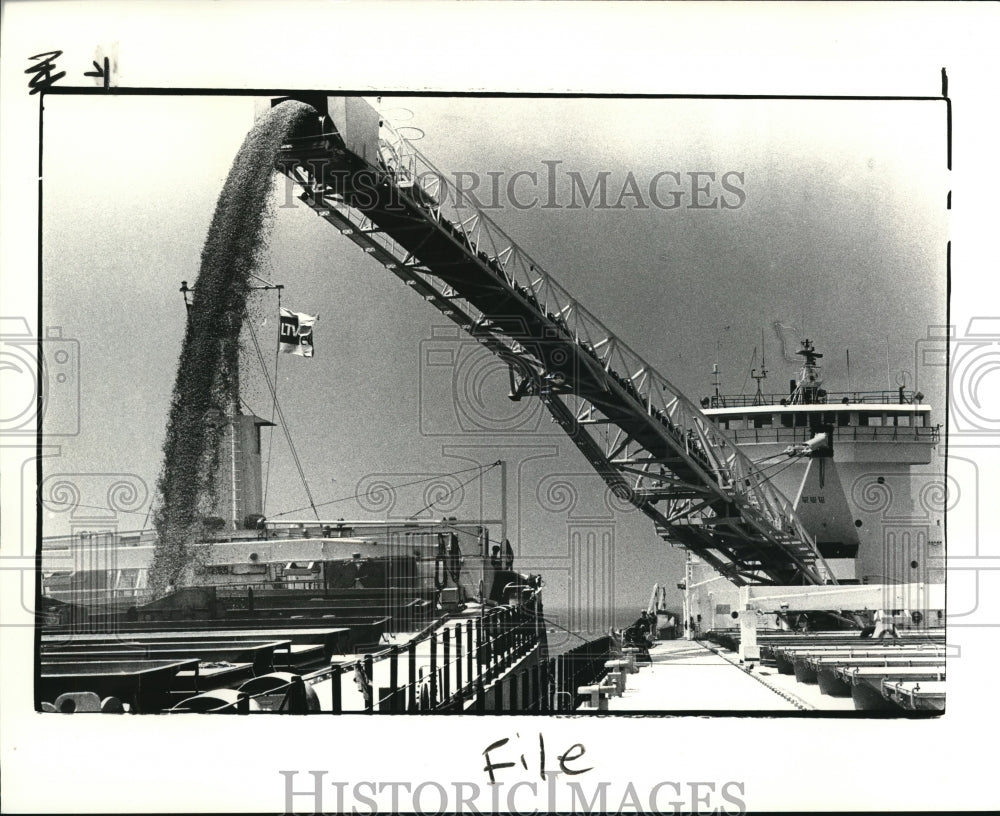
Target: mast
808,389
758,398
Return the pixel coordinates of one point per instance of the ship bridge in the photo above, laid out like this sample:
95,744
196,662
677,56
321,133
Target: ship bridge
649,443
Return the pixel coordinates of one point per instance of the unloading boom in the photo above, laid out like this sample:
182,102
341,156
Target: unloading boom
651,445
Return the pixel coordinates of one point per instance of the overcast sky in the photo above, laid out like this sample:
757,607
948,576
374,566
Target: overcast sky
839,233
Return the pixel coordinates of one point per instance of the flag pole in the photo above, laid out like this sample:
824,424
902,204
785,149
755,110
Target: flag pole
274,402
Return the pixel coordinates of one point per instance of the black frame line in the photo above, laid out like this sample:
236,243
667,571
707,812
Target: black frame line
70,90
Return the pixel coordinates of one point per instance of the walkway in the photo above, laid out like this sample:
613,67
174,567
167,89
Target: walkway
686,676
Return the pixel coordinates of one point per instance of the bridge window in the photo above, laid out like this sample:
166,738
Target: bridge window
870,420
843,418
903,420
763,420
786,420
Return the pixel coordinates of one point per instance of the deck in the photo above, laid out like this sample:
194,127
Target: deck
688,676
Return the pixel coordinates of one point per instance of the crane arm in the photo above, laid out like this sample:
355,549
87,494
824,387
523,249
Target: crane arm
650,444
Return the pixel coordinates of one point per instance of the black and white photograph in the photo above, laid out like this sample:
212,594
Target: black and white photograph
588,417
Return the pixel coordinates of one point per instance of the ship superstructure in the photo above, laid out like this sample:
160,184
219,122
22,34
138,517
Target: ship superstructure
849,461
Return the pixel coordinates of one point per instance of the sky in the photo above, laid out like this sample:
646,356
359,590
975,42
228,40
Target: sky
836,228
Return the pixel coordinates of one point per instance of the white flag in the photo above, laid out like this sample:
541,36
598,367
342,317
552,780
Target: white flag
296,333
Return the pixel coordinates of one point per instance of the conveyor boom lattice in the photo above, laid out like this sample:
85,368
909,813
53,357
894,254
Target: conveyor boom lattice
650,444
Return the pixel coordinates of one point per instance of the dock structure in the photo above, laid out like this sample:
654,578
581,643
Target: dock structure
824,671
689,676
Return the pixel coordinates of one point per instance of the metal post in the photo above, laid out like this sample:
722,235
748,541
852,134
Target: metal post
491,645
508,639
369,664
688,633
296,696
518,631
394,679
748,627
515,631
411,704
503,500
336,705
500,638
546,684
492,640
480,696
434,668
480,650
459,660
469,653
446,663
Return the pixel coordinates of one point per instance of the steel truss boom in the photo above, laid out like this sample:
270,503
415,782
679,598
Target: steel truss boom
650,444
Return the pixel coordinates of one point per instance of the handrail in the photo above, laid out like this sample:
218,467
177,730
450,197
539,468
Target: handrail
503,635
852,433
831,398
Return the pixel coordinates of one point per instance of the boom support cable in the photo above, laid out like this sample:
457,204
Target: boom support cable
355,495
450,493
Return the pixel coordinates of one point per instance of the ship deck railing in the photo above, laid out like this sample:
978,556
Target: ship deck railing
485,659
782,400
841,433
